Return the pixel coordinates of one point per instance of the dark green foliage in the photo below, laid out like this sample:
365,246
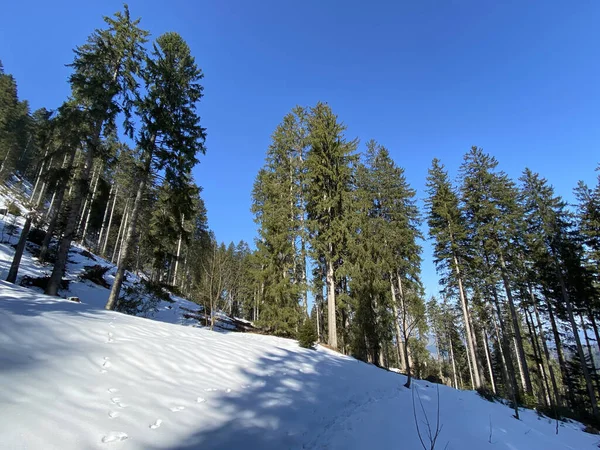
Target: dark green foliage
42,282
307,334
142,299
14,209
95,274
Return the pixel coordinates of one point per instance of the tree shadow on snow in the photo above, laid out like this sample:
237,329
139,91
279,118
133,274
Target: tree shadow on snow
279,408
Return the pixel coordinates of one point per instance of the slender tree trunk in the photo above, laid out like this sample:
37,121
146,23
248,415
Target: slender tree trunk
89,211
123,236
70,229
14,267
561,358
87,201
121,228
105,218
178,252
55,206
453,363
537,354
37,180
331,323
589,349
590,315
584,368
129,240
488,359
521,358
475,378
507,357
399,343
108,227
557,397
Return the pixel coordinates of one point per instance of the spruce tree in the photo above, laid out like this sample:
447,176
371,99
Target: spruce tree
103,84
328,181
170,134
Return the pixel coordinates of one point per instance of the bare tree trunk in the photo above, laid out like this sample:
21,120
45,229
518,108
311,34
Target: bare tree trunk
557,398
89,212
110,219
399,344
54,211
512,379
70,229
121,228
37,180
130,237
521,358
560,354
453,363
178,252
331,302
584,368
475,378
14,267
488,359
123,236
537,354
87,201
105,218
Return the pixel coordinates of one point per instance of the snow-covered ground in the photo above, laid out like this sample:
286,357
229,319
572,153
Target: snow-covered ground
74,376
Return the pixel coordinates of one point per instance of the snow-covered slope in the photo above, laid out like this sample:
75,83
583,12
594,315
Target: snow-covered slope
73,376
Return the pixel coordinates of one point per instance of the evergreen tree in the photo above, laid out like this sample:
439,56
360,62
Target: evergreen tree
328,181
170,136
104,72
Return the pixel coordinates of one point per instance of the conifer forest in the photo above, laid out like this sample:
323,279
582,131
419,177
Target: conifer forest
340,231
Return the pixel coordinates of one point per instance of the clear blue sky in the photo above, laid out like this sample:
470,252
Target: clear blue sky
424,78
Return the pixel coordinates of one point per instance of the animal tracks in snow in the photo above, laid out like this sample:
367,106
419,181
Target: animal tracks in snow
117,401
110,338
177,408
114,414
157,423
114,436
200,400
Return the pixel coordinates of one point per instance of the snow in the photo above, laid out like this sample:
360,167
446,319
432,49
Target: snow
74,376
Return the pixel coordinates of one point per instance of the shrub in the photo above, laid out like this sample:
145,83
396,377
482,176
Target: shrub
95,274
88,255
485,392
142,299
42,282
36,236
307,335
14,209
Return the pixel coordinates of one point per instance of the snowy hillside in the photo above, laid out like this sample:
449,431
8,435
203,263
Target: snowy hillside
73,376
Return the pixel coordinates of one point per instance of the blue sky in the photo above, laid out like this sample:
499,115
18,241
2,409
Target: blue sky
424,78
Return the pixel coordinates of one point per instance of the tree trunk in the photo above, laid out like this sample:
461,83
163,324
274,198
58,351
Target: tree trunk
126,250
488,359
331,324
178,252
475,378
510,369
537,354
557,398
89,212
14,267
37,180
453,363
521,358
54,211
120,232
123,236
70,229
87,201
105,218
110,219
584,368
399,343
561,358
